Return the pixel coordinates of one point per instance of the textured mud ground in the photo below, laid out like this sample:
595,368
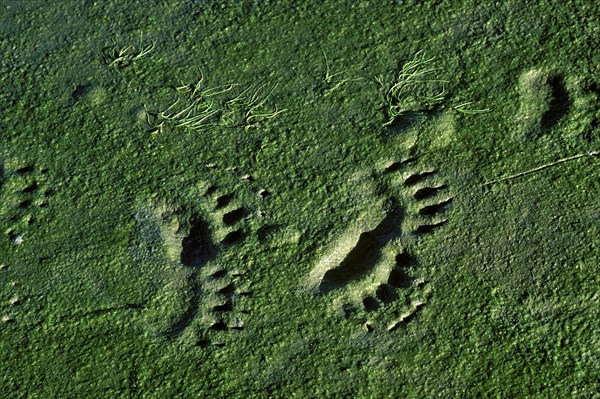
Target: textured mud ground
338,199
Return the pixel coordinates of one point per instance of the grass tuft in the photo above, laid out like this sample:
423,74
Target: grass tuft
415,88
198,107
120,57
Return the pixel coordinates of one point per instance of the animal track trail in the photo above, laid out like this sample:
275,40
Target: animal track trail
369,271
23,196
10,299
211,296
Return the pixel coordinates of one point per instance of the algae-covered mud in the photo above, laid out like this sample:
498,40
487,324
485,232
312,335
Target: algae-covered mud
362,199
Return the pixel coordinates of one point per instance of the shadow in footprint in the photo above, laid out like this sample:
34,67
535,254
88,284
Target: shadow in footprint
559,105
371,304
398,277
25,170
427,228
385,293
396,166
224,200
417,177
198,248
427,192
365,255
231,218
81,91
30,189
431,210
234,237
405,122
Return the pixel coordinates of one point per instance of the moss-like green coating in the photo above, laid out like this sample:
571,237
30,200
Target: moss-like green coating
229,199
